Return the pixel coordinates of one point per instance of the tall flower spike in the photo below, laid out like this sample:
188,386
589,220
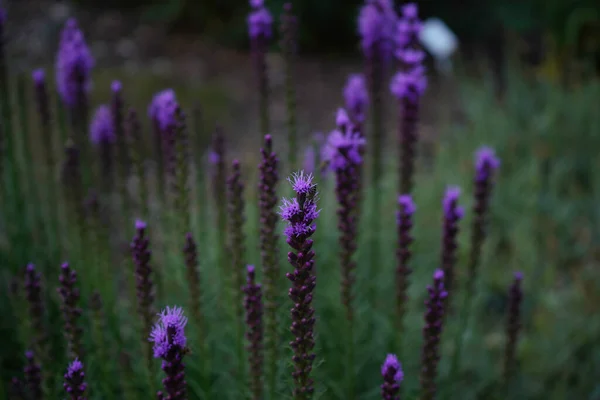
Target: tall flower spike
102,135
356,97
190,252
300,214
140,251
33,376
404,224
69,294
267,189
180,171
33,294
260,24
513,325
486,163
122,155
343,153
75,384
168,337
161,112
73,65
254,331
431,334
391,370
408,85
376,24
453,213
289,38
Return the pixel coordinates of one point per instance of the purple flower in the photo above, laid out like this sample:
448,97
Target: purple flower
513,325
391,370
101,128
300,214
73,64
486,164
267,189
33,376
74,384
162,109
404,223
69,295
431,333
356,97
344,146
254,330
376,26
260,21
453,213
39,76
409,84
169,340
141,254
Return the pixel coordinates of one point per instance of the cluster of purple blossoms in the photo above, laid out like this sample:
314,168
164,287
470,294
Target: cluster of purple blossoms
410,82
392,374
161,110
453,213
74,62
432,331
376,26
74,384
169,340
344,146
356,98
101,127
300,214
260,21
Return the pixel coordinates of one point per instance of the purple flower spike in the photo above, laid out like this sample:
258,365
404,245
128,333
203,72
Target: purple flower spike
453,213
486,164
431,334
267,189
404,225
33,376
254,330
391,370
162,109
344,155
236,218
300,214
69,294
309,162
101,128
376,26
117,108
73,65
33,294
513,325
356,97
169,340
141,254
74,384
260,21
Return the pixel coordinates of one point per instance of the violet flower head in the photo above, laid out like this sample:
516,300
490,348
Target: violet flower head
168,337
300,214
254,330
404,222
39,76
162,109
101,127
453,213
391,370
73,64
432,334
260,21
33,376
344,147
486,163
71,311
513,324
74,383
356,97
376,26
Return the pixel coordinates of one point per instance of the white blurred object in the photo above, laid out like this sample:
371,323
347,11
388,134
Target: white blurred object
440,42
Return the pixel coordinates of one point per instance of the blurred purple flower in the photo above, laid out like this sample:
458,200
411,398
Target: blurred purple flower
391,370
73,64
254,330
356,97
74,383
376,26
101,127
260,21
162,109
